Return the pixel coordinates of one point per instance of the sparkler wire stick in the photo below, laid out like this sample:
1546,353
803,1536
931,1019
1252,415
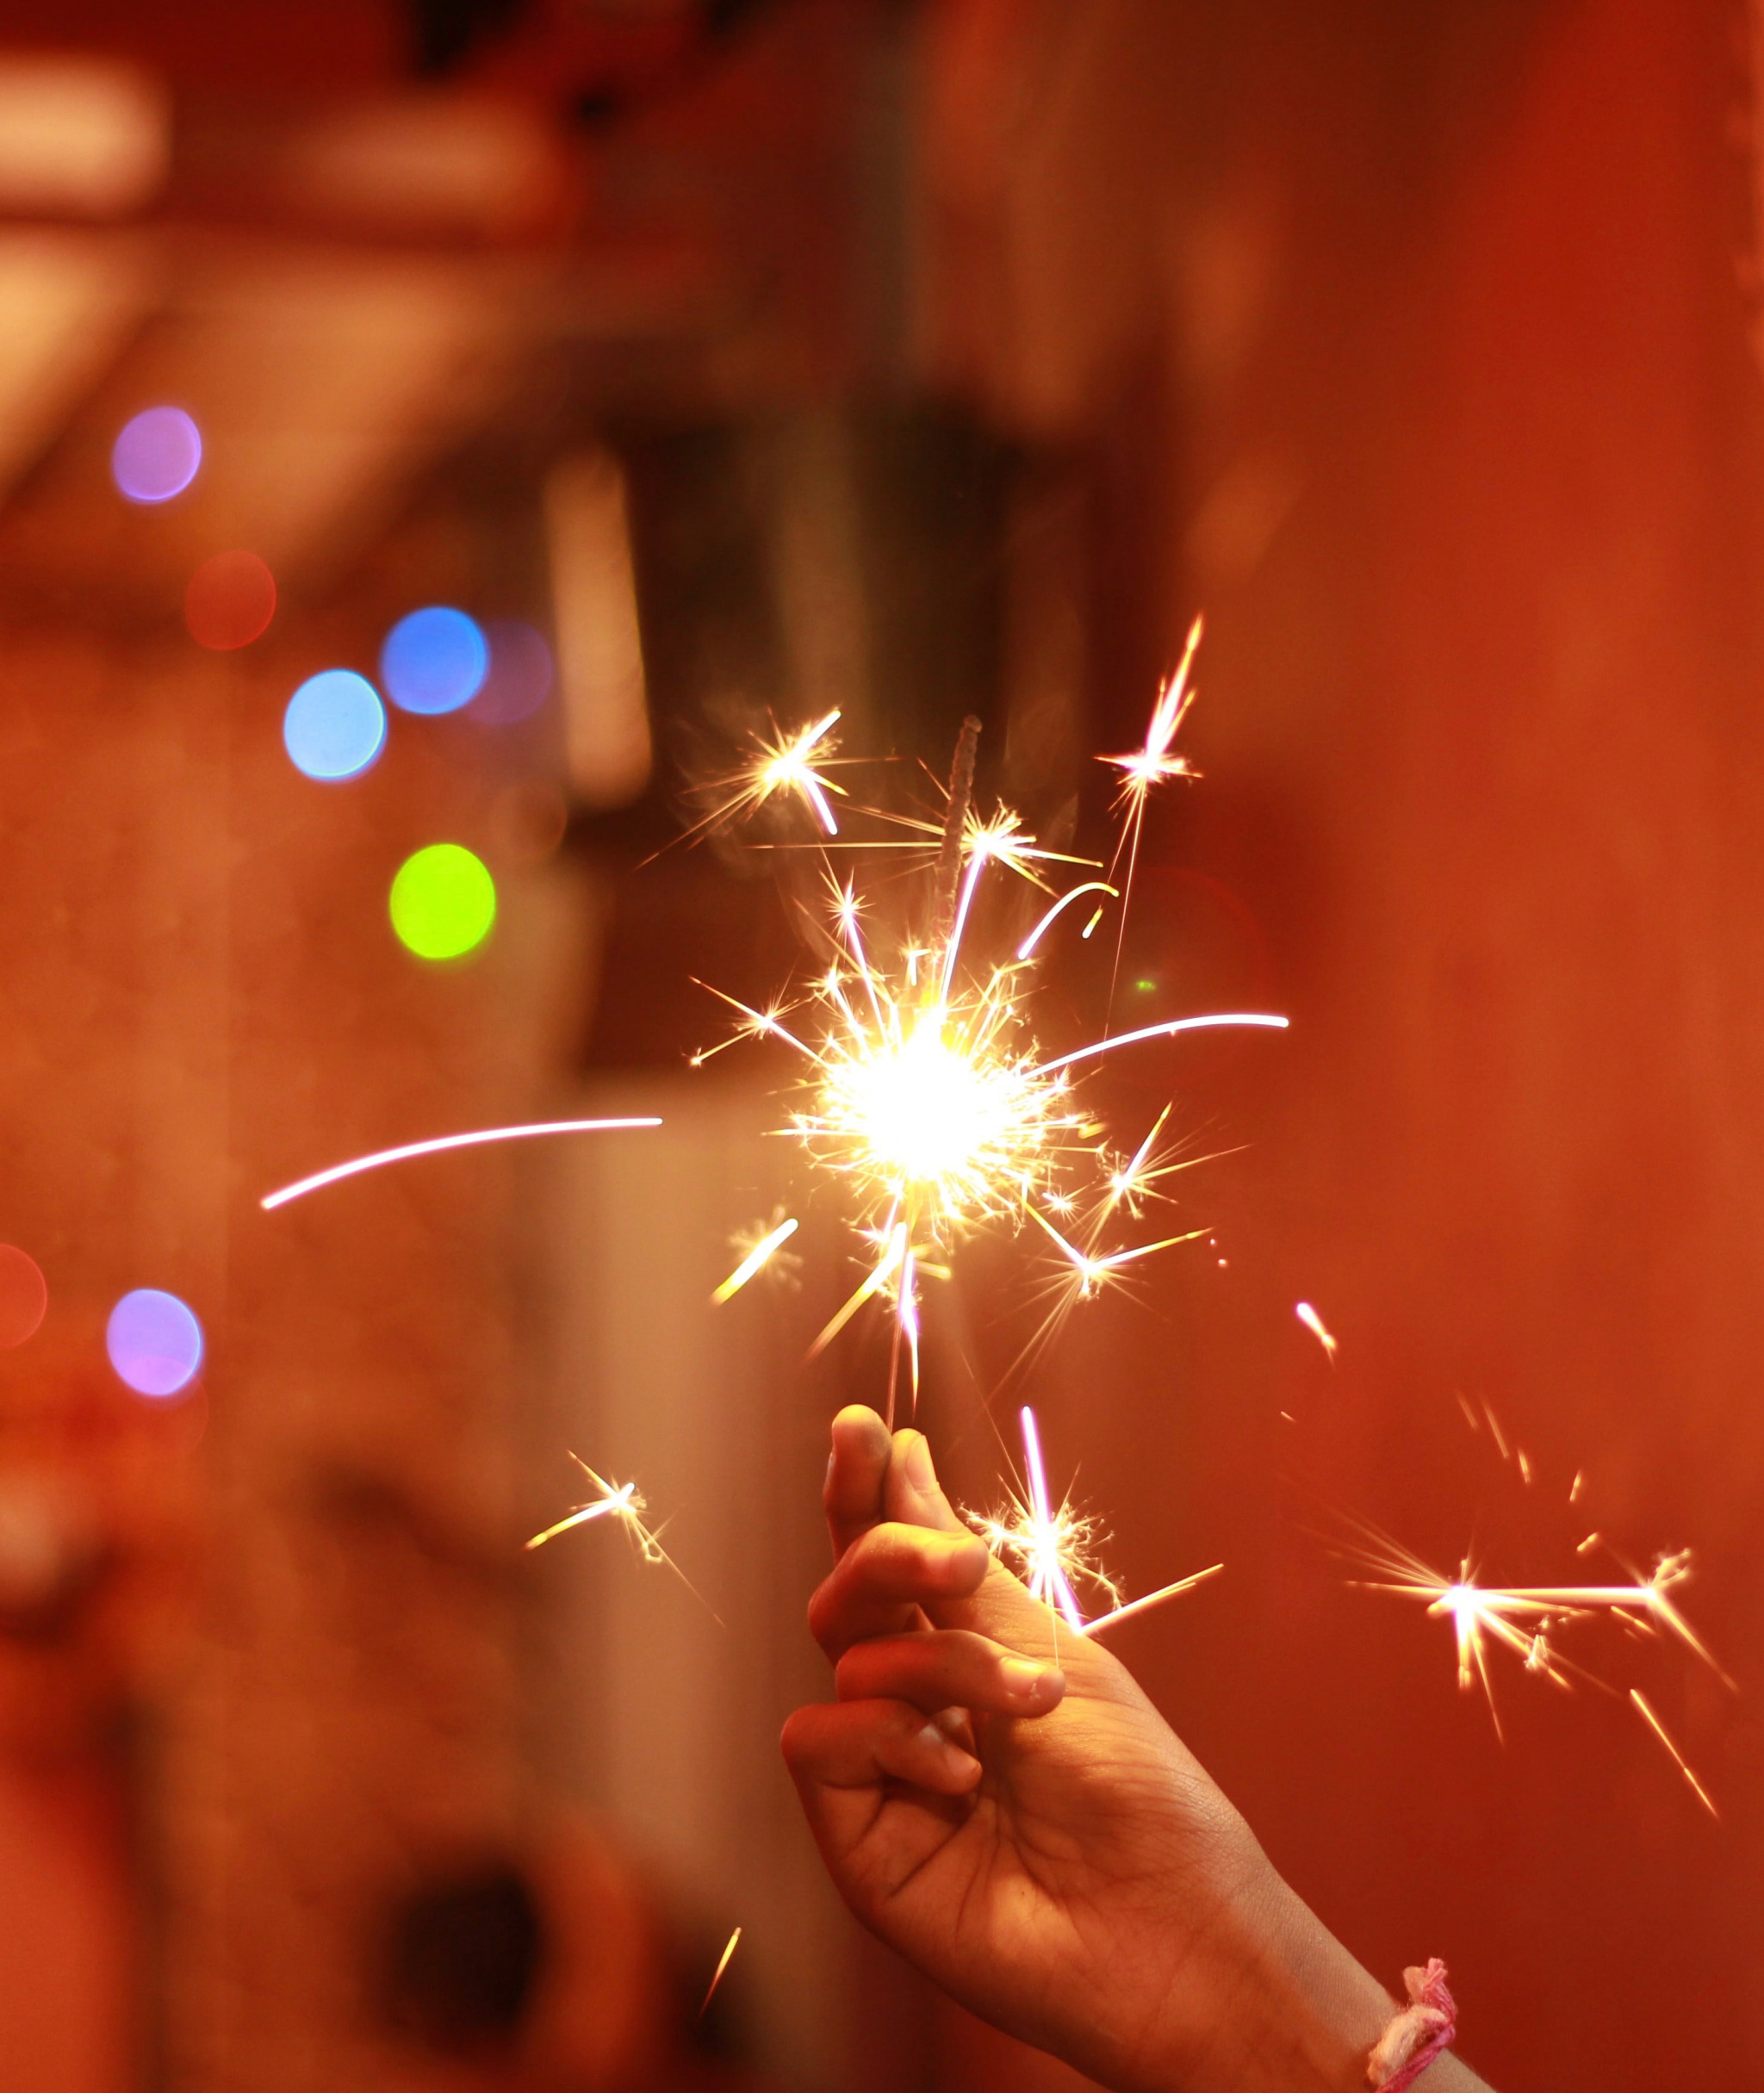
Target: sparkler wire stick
474,1140
961,793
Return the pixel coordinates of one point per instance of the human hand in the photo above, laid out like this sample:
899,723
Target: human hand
1037,1839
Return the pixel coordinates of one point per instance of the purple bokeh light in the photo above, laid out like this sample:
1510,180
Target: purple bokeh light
157,455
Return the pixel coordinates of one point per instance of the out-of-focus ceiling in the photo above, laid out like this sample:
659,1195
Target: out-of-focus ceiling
341,268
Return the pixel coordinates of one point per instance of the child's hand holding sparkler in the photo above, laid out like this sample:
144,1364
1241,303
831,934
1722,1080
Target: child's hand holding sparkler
1037,1839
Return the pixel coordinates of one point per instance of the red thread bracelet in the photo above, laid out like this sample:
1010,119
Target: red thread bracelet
1427,2025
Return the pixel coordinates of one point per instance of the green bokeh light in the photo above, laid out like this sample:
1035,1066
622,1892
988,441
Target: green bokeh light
443,902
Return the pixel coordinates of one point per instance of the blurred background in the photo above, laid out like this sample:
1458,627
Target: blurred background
727,361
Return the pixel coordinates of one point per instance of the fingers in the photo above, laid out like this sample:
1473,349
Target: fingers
953,1669
998,1604
881,1581
911,1492
855,1473
862,1743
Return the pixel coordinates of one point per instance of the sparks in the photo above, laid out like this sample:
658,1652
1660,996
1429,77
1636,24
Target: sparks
476,1139
717,1974
621,1500
789,764
754,1261
1522,1618
624,1502
1151,764
1640,1701
1053,1550
1313,1322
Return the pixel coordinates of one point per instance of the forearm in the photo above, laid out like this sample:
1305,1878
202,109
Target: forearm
1302,2017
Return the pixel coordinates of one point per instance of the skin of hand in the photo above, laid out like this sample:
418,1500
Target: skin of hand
1037,1839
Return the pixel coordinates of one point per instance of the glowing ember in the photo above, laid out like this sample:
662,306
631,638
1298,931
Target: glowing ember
723,1963
1313,1322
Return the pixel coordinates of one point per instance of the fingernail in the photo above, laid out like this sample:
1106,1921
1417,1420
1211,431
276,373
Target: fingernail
919,1471
1025,1679
953,1755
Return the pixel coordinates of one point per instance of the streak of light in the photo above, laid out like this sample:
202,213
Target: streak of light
1678,1758
476,1139
755,1260
1152,1599
717,1974
1313,1322
893,1254
1165,1031
1026,950
1093,1273
1494,1428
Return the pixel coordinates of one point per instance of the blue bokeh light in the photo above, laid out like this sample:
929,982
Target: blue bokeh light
156,455
520,673
154,1341
434,660
335,725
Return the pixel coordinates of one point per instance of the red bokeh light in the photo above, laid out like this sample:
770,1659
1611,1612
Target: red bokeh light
24,1295
230,600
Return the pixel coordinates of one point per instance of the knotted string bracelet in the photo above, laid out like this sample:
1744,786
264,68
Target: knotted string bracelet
1424,2028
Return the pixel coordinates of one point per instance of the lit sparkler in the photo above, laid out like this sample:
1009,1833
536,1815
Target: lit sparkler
1054,1550
924,1091
1524,1619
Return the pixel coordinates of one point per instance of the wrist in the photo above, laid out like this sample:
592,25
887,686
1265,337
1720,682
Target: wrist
1295,2013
